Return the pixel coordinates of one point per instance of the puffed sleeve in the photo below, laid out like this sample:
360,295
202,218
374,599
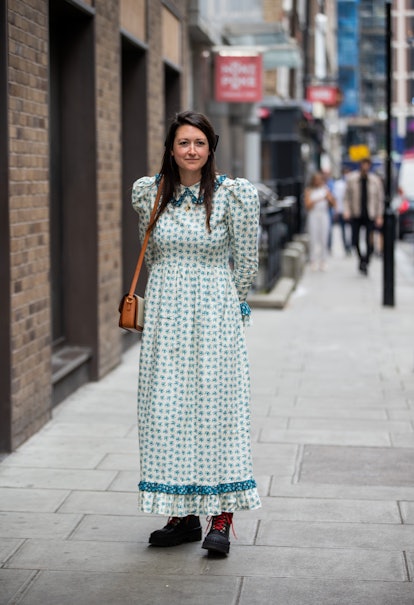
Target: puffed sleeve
243,223
144,192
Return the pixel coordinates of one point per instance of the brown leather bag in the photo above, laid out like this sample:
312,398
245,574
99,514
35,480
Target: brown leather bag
131,307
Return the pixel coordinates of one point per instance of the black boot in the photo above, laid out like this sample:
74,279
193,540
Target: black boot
177,531
217,539
363,267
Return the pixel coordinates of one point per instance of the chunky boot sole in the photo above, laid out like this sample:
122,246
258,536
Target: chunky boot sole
192,535
212,544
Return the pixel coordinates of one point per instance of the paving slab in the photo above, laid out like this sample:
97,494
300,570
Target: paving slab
340,563
12,583
78,429
327,437
358,401
36,500
120,557
91,418
278,423
67,588
345,390
7,547
16,476
402,440
125,481
83,443
327,412
357,466
336,535
43,457
123,462
37,525
407,511
410,563
288,488
272,458
107,503
328,510
287,591
351,424
406,414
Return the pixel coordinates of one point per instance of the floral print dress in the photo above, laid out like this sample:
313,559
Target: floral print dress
193,386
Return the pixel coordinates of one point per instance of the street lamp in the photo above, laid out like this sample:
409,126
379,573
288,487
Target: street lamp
389,215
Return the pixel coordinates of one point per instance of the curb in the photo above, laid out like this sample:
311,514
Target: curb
277,298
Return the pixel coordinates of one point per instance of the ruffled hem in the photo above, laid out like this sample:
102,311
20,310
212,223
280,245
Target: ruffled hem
174,505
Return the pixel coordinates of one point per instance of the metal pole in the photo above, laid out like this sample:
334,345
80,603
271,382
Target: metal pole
389,215
306,49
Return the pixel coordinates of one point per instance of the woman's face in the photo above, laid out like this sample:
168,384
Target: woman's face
190,151
318,180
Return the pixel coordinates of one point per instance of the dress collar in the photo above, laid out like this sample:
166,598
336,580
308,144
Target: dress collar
193,192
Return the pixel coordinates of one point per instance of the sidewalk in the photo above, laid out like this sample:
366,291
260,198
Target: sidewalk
333,443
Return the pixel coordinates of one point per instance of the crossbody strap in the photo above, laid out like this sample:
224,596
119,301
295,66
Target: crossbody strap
144,244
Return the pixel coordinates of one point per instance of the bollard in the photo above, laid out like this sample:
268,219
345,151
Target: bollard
301,249
291,264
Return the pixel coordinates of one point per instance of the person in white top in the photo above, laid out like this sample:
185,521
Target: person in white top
318,198
338,191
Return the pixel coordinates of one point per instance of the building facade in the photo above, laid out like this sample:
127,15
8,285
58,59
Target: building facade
403,72
86,90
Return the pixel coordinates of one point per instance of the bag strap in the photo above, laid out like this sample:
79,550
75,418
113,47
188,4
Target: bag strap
144,244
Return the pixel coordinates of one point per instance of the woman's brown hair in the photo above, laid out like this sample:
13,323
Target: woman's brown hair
169,170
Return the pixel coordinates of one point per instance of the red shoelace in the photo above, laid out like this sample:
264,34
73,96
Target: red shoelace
220,523
173,521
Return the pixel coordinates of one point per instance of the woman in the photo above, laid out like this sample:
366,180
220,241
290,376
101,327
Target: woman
193,388
318,198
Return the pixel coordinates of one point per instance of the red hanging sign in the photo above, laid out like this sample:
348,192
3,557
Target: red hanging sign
327,95
238,79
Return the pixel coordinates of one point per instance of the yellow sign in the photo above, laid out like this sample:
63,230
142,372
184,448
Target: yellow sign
358,152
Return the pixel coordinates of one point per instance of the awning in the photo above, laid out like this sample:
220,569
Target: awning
268,39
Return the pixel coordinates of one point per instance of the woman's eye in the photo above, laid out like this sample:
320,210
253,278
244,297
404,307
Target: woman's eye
196,143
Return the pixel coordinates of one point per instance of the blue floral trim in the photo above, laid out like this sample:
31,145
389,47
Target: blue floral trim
199,490
245,309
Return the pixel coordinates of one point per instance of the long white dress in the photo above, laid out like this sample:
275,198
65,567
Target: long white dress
318,222
194,386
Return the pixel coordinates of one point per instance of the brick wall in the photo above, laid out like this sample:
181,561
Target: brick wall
155,88
186,56
156,118
29,217
29,193
108,114
273,10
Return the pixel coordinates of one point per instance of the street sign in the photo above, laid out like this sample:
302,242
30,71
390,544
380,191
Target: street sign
238,79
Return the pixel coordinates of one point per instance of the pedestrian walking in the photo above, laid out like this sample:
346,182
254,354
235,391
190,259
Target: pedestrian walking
318,199
364,207
328,179
193,386
338,191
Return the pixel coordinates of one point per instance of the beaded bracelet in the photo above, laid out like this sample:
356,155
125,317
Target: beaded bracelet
245,309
